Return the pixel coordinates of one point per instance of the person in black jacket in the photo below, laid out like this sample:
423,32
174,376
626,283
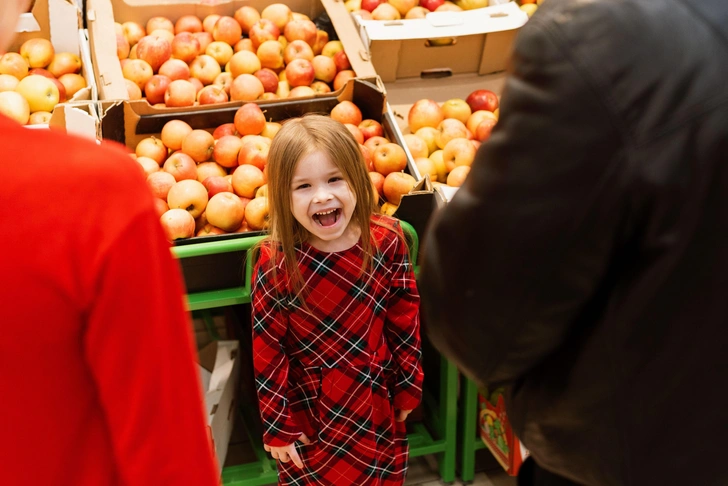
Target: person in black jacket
584,262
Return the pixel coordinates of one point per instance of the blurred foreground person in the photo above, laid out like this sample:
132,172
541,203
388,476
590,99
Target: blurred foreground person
97,370
584,262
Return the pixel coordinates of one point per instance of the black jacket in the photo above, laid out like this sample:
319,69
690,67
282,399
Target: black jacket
585,260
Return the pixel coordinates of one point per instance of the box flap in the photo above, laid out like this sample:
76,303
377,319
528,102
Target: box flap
77,119
447,24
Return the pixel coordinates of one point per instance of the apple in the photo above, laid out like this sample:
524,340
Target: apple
220,51
482,133
246,87
448,7
331,48
429,136
347,112
175,69
396,185
226,150
188,23
14,64
256,213
247,16
181,166
424,113
160,206
476,118
386,11
227,30
73,83
263,30
301,29
283,89
208,23
416,146
177,224
122,47
370,128
324,68
224,81
249,119
133,31
431,5
366,154
15,106
173,132
180,92
244,44
159,23
417,13
302,92
456,108
437,159
153,148
370,5
322,37
156,88
133,91
262,191
354,130
204,38
364,15
352,5
448,129
198,144
216,185
343,77
320,87
62,96
160,183
377,182
226,211
244,62
271,55
41,93
457,175
38,52
162,34
279,13
458,151
149,166
209,230
224,129
247,179
8,82
188,194
297,49
268,78
205,68
209,169
426,167
270,130
341,60
154,49
185,47
137,71
482,99
403,6
372,143
197,84
212,94
388,158
254,152
300,72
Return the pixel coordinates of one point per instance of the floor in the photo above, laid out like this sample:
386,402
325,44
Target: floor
423,472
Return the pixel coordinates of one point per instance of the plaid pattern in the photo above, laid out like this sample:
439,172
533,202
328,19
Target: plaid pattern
338,369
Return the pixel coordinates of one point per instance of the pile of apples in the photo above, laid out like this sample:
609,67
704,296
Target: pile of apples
418,9
211,182
272,54
35,79
443,139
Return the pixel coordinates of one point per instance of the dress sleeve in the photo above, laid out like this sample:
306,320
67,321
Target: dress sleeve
402,327
270,324
139,349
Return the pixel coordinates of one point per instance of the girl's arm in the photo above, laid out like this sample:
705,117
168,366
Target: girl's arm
270,362
402,325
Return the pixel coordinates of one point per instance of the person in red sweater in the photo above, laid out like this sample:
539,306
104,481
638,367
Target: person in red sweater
97,369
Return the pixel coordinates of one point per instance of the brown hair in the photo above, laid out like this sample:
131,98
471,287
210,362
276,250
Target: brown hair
296,139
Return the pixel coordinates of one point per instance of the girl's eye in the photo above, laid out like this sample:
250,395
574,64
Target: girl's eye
335,179
302,186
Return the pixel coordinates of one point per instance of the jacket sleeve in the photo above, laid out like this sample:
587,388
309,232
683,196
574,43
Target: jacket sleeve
138,343
402,327
270,324
513,261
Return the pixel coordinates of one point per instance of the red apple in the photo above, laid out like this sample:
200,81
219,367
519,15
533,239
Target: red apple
247,16
343,77
160,206
354,130
209,169
300,73
181,166
153,49
388,158
216,185
254,152
226,150
212,94
180,92
199,144
161,23
225,129
431,5
208,23
482,133
341,61
301,29
188,23
269,79
347,112
372,143
262,31
73,83
367,154
424,113
297,49
204,38
156,88
227,30
249,119
177,224
370,5
175,69
396,185
370,128
185,47
378,182
246,87
482,99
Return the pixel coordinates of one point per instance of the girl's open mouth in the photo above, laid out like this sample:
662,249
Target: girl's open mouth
327,218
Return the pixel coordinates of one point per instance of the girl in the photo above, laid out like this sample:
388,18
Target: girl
336,342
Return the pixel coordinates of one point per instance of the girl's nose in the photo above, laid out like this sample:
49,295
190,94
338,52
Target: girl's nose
322,194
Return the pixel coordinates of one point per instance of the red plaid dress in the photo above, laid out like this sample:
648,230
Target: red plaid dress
338,370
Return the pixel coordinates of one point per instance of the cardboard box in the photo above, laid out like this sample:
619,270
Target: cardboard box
219,366
101,15
497,434
443,43
59,21
77,118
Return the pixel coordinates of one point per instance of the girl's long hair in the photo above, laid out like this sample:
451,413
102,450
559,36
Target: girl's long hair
296,139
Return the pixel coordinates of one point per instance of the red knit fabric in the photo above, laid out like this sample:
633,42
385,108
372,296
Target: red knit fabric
339,370
97,373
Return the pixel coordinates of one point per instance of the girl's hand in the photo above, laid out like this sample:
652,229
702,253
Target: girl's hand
288,453
402,415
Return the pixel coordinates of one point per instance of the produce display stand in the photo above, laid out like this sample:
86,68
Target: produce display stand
470,441
437,434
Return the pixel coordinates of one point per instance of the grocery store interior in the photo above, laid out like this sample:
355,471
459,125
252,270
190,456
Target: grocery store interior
420,78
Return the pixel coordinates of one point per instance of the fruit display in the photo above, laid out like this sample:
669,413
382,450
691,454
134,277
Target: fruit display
35,79
253,55
418,9
443,138
213,181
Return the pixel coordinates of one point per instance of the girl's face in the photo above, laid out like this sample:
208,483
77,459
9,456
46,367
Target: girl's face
323,203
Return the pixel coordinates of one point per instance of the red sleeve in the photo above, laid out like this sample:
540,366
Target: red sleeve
270,324
402,326
152,395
